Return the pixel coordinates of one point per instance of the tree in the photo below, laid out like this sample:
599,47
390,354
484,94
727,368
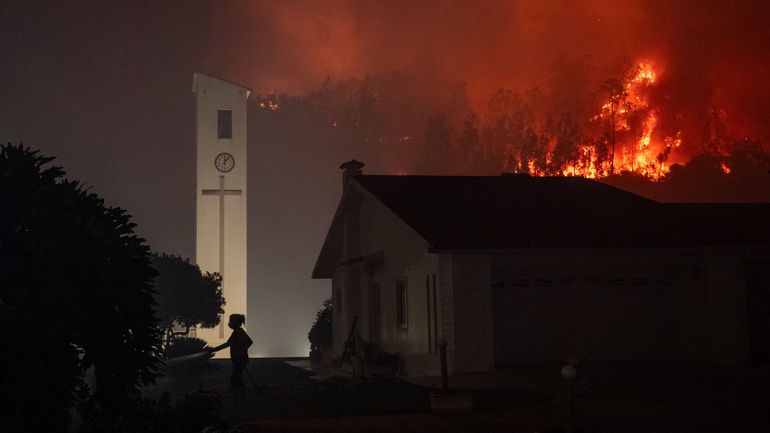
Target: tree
470,145
185,296
320,334
438,153
75,293
617,96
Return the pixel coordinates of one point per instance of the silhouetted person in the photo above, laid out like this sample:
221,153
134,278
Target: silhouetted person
238,343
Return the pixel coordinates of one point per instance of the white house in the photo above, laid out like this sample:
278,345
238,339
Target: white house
519,269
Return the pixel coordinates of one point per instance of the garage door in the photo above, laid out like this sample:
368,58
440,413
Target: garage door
546,317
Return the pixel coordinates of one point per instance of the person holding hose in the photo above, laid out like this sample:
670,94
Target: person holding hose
238,343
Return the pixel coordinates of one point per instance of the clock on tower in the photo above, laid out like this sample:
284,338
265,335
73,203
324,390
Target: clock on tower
224,162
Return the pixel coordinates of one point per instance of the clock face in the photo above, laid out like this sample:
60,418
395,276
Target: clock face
224,162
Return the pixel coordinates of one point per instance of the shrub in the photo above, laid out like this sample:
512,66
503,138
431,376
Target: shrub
182,346
320,334
185,370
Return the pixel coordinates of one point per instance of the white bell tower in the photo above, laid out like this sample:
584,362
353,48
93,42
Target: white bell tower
220,222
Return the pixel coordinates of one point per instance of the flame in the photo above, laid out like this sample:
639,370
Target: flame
645,74
645,151
269,104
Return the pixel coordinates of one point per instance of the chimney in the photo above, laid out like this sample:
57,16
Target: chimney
352,168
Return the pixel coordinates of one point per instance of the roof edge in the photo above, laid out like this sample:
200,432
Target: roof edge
211,77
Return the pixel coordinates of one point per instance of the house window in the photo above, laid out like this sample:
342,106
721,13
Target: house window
225,124
401,305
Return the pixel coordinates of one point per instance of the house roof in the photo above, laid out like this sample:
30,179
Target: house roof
510,212
454,213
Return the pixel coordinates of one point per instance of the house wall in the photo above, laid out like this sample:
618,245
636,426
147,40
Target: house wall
381,249
471,345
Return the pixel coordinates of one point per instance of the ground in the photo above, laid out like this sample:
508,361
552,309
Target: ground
629,397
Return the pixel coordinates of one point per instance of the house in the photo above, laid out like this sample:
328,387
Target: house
517,269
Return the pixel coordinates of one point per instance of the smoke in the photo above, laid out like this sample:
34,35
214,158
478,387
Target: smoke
711,55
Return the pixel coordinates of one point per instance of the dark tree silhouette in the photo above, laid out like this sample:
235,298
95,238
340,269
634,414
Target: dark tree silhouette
75,293
469,145
617,96
185,296
320,334
439,151
568,139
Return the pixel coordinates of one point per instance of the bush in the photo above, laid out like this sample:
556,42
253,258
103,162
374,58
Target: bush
320,334
187,369
182,346
186,297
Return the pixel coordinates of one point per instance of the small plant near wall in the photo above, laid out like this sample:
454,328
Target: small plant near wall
320,334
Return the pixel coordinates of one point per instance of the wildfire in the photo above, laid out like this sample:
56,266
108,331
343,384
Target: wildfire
645,74
634,144
269,104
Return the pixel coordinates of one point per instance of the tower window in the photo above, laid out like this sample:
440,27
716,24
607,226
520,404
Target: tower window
225,124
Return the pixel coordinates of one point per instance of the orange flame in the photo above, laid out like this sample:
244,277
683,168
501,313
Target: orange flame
642,152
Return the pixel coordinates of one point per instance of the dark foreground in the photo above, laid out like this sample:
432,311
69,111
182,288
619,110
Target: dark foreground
634,397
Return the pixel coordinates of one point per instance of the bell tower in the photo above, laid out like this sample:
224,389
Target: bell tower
220,222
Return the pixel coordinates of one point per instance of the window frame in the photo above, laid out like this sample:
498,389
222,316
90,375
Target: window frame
220,123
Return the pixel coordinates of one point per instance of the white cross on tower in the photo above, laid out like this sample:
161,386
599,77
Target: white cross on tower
221,192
